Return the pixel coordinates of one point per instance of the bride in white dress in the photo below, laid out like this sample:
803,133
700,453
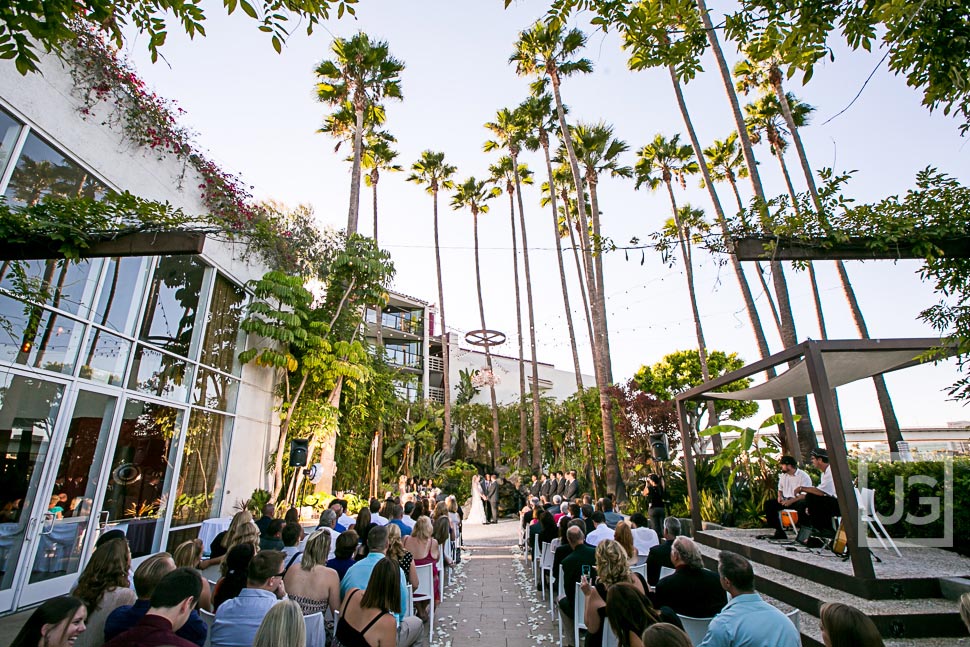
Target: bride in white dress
477,514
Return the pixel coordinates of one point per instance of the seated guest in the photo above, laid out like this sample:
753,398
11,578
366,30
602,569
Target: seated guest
269,511
234,581
337,509
397,518
644,537
375,513
246,535
601,531
630,613
147,577
659,555
692,590
664,634
410,628
845,625
188,554
103,587
367,617
612,517
344,519
410,513
311,584
327,521
563,549
172,602
272,537
587,515
395,550
790,478
282,625
238,619
554,507
624,536
221,544
611,570
583,558
747,619
291,535
56,623
545,530
362,525
563,511
819,504
343,553
574,511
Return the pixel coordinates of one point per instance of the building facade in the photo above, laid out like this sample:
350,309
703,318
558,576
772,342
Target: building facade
122,402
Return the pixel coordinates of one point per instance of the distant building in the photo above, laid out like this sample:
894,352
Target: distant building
553,382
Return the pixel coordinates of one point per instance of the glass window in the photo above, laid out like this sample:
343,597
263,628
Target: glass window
33,336
105,357
222,341
407,354
160,374
41,170
408,391
28,411
66,285
9,132
141,473
120,297
214,390
203,467
173,301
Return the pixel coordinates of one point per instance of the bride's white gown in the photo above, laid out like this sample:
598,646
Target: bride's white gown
477,515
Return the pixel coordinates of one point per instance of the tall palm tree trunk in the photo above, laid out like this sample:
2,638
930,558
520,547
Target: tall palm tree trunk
614,479
536,414
445,351
893,433
496,449
806,434
580,269
523,425
354,210
597,253
379,437
757,264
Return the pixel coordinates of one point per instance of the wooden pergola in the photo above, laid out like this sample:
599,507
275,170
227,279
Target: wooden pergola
142,243
820,367
760,248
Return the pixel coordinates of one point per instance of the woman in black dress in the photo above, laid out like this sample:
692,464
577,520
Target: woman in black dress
654,492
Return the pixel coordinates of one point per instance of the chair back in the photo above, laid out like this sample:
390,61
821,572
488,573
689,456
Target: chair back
535,548
795,617
562,584
665,571
641,559
641,569
425,588
696,628
548,556
868,502
610,639
316,635
579,613
209,619
441,572
408,604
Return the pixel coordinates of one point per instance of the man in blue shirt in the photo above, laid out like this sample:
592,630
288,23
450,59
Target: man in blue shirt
410,629
397,518
747,619
238,619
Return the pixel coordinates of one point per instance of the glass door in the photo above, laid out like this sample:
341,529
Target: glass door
28,415
68,499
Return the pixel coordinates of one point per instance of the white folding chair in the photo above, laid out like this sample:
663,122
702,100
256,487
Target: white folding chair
425,592
696,628
665,571
545,564
579,614
441,572
641,569
610,639
209,619
536,556
867,511
641,559
316,634
408,605
561,592
795,618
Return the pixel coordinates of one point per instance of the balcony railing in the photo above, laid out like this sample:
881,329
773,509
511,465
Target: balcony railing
436,364
436,394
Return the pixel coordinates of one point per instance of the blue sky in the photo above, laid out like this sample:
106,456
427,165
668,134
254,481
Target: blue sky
256,113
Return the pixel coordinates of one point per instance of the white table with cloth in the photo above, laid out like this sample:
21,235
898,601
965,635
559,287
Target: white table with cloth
210,528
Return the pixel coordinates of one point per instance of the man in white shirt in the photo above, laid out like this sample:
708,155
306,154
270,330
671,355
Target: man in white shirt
601,532
790,478
644,537
375,513
819,505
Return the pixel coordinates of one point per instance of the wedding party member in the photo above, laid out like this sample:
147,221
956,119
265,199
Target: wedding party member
311,584
611,569
572,487
238,619
172,602
56,623
282,625
477,514
535,486
493,489
103,587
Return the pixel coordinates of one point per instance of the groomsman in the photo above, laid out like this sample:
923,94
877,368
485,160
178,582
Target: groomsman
572,487
534,488
545,489
485,491
561,484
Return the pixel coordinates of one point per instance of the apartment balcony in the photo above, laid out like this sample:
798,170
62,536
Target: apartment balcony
436,394
436,364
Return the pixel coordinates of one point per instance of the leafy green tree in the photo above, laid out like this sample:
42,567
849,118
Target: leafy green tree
681,370
363,73
27,25
474,195
432,171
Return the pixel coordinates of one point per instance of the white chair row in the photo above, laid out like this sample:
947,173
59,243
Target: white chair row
696,628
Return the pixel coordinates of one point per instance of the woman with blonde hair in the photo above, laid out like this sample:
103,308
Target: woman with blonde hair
623,535
845,626
188,554
424,548
395,550
245,534
611,569
282,625
220,545
103,587
313,585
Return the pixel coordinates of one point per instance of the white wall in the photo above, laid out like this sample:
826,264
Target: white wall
48,103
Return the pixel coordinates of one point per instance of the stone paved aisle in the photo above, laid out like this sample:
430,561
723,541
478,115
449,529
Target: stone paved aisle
492,600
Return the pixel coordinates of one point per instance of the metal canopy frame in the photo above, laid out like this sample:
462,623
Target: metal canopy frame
756,248
813,354
174,243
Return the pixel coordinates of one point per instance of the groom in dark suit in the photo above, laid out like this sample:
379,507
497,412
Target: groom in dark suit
493,498
484,485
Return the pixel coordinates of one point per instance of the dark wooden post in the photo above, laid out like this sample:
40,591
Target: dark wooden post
695,500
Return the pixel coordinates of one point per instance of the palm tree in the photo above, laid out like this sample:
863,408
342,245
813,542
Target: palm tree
766,73
378,156
363,73
546,51
504,171
474,195
509,134
432,171
659,163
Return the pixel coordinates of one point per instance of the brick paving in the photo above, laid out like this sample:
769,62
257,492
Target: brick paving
491,600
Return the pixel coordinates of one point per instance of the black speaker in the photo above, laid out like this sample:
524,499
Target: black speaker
658,443
298,452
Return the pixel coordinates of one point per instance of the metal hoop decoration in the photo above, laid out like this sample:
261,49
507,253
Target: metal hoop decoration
485,337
